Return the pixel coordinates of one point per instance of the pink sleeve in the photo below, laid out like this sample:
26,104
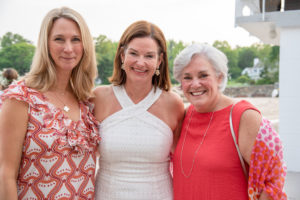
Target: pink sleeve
267,169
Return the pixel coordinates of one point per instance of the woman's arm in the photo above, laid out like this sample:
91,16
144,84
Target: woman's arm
13,127
248,129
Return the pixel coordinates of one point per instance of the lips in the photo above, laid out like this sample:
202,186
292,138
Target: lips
138,70
67,58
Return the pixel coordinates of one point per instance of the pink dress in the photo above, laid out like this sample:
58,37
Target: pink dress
58,159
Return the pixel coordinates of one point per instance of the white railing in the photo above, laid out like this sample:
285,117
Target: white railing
252,7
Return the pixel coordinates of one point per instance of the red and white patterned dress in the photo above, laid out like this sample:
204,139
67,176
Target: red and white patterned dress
58,159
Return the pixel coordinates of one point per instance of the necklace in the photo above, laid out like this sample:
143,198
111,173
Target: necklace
66,108
195,154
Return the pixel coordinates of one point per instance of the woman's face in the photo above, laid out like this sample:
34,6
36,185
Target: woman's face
200,84
65,45
140,60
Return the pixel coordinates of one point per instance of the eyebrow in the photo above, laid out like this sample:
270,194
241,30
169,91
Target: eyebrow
61,35
203,71
150,52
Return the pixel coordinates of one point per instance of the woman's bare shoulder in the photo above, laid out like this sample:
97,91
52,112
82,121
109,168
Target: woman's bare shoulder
101,93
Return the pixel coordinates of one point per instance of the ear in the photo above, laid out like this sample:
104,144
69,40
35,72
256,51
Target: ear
220,79
160,59
122,54
122,57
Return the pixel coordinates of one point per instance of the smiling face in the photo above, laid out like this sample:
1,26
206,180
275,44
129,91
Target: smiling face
141,59
200,84
65,45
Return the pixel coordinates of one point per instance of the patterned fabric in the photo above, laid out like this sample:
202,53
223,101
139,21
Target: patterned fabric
267,169
58,159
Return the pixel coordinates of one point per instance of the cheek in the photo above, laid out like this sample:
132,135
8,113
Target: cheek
79,49
185,86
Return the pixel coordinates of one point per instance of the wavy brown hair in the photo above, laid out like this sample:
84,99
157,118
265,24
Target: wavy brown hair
142,29
42,74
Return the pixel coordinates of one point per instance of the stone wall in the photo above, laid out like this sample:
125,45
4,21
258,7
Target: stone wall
245,91
250,91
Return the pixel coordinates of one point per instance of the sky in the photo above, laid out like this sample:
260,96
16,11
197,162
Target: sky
181,20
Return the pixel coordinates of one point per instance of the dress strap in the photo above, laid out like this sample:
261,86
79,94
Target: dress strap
125,100
151,98
122,96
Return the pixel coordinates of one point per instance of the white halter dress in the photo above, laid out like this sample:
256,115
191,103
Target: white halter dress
134,152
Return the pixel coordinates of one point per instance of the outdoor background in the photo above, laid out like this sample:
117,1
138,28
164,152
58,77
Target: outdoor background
182,21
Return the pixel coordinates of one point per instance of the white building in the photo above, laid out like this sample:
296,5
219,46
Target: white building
255,71
281,26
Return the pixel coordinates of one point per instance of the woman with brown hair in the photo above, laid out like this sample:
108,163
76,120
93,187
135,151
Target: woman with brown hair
138,116
8,76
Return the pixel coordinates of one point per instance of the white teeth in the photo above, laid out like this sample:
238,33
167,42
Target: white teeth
137,70
197,93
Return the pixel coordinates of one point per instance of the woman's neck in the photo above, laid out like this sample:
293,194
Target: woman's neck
137,92
61,86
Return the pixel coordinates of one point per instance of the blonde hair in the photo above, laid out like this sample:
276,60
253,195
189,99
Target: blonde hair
42,74
142,29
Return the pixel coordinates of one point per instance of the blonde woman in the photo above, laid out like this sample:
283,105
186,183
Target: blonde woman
48,137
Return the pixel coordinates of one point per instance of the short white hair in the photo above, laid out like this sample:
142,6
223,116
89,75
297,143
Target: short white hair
217,58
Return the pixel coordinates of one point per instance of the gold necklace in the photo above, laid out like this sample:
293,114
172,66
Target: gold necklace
66,108
195,154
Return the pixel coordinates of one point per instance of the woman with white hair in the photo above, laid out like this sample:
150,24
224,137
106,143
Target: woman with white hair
222,142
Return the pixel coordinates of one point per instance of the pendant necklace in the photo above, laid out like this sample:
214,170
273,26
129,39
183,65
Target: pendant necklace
196,152
66,108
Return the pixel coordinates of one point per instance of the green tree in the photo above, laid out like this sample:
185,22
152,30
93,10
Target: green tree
270,57
232,57
18,56
105,53
173,49
246,56
9,39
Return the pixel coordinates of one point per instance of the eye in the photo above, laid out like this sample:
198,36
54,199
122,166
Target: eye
76,39
132,53
203,75
149,56
58,39
187,78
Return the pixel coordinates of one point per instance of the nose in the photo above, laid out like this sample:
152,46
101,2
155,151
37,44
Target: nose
140,60
196,83
68,47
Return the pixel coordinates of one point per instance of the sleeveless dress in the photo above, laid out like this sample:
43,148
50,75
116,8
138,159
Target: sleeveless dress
216,173
134,152
59,155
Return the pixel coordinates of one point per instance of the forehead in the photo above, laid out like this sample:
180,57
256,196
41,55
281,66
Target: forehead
143,43
64,26
198,63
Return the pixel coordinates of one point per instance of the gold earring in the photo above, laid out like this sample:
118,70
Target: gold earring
157,73
122,66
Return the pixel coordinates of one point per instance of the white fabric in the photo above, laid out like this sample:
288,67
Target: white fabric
134,152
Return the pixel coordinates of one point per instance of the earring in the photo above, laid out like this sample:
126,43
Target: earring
157,73
122,66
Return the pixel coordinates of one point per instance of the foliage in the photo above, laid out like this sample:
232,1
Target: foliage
18,56
173,49
243,79
105,53
9,39
232,56
246,56
17,52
